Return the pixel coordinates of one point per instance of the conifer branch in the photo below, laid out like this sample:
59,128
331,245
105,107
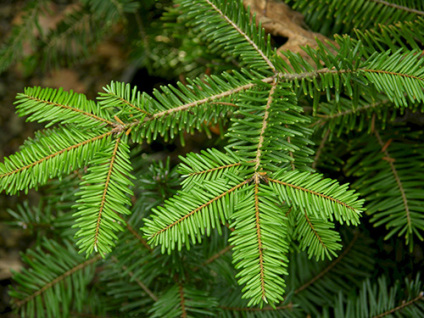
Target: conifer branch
106,187
263,174
391,161
84,17
323,71
361,108
312,192
291,152
313,74
216,168
248,39
74,109
320,148
103,193
260,249
400,307
137,235
399,7
330,266
143,35
314,231
365,70
199,208
224,103
182,300
264,126
56,154
214,257
13,49
253,309
131,105
206,100
57,280
139,283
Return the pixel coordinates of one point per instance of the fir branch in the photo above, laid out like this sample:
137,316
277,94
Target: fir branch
206,100
198,209
263,126
325,70
247,38
121,94
25,97
84,17
317,235
291,152
310,75
253,309
399,7
405,35
139,283
254,184
330,266
367,14
391,161
13,49
243,39
224,103
131,105
313,192
379,299
137,235
104,192
59,106
214,257
60,147
112,10
58,280
53,155
106,187
185,110
215,169
320,148
54,272
400,307
400,74
182,300
314,231
397,202
361,108
261,229
260,248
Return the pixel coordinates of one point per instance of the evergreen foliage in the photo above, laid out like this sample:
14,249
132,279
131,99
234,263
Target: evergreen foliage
379,300
72,40
248,228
